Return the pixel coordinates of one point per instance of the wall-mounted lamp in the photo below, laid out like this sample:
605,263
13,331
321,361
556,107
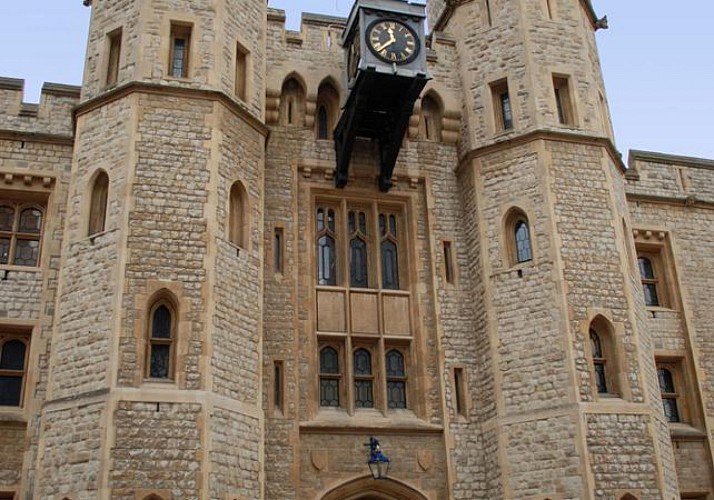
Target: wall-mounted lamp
378,462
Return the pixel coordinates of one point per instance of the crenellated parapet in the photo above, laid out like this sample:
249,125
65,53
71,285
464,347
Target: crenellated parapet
52,116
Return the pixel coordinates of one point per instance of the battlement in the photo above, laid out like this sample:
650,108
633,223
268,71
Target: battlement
53,115
309,24
672,177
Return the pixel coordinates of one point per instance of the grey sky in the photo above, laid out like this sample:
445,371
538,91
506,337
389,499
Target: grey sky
658,61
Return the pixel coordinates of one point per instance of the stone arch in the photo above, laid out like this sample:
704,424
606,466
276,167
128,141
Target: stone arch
327,108
431,116
292,100
366,488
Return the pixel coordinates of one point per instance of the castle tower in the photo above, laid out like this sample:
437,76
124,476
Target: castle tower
562,361
155,381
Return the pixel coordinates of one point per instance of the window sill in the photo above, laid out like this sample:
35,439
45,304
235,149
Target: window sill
11,416
159,382
685,432
23,269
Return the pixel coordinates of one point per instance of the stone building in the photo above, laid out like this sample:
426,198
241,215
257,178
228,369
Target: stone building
190,309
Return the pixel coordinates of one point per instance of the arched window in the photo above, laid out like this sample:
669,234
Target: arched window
328,104
603,357
292,103
326,248
329,377
628,496
518,245
161,340
598,362
13,366
20,233
396,379
359,254
649,281
98,203
238,224
364,387
430,121
669,394
389,250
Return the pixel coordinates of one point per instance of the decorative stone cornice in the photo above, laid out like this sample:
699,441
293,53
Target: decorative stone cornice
19,135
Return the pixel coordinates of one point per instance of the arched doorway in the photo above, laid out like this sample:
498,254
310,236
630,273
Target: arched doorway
366,488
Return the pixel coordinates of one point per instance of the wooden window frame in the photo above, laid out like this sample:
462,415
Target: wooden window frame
180,31
339,376
392,378
9,335
564,100
114,45
14,234
502,123
609,360
98,203
677,366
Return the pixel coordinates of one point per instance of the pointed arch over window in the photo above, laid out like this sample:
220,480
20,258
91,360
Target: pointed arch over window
364,384
153,496
161,338
292,103
430,119
98,203
328,105
326,222
518,234
396,379
628,496
239,216
603,354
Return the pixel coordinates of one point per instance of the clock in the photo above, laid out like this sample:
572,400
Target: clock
392,41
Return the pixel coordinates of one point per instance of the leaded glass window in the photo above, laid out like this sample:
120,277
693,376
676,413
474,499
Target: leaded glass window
359,255
20,234
669,394
649,281
362,366
598,362
13,358
506,110
523,242
161,343
389,251
329,377
326,246
396,380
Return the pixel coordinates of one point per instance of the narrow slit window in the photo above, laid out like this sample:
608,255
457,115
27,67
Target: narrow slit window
487,6
329,377
396,380
278,250
669,394
98,203
460,391
359,255
326,246
563,100
502,105
448,262
363,385
180,47
389,251
523,242
161,342
598,362
241,76
278,385
649,281
114,43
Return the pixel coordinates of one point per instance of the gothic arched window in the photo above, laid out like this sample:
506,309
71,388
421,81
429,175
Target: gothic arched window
238,216
519,246
396,379
649,281
329,377
161,340
364,387
328,104
13,366
430,122
326,246
292,103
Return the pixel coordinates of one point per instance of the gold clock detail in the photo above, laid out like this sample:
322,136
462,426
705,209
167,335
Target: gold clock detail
392,41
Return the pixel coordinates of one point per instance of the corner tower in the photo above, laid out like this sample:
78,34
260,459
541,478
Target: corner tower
155,368
563,347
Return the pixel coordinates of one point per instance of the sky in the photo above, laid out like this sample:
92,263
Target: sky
658,62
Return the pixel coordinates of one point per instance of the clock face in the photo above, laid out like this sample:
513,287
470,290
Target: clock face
392,41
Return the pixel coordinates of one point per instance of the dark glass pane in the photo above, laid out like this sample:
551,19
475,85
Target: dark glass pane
390,266
331,220
329,392
160,354
277,386
329,361
351,222
382,225
595,344
646,269
7,216
161,323
326,272
600,378
10,391
670,409
395,364
364,396
13,355
30,221
393,225
177,70
523,242
363,223
506,111
4,250
650,291
362,362
320,219
666,381
559,105
26,252
358,263
396,394
322,123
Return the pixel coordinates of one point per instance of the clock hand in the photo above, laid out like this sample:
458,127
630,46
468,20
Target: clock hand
380,48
